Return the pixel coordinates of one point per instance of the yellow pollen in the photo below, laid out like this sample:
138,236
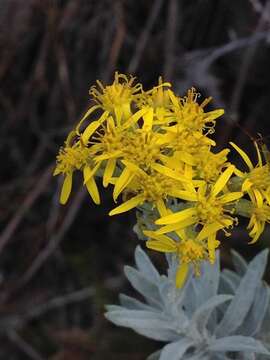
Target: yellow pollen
209,209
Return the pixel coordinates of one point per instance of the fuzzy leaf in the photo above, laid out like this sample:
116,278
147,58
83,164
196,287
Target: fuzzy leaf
145,265
158,334
176,350
133,304
154,356
244,296
139,319
201,316
255,317
145,287
238,343
239,263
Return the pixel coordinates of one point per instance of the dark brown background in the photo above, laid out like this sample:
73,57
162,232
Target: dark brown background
51,52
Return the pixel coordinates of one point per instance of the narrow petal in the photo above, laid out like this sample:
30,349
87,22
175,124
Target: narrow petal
88,172
231,197
134,118
118,110
181,275
128,205
211,229
123,181
212,246
162,246
184,195
93,190
155,236
177,226
66,189
222,180
148,120
169,172
243,155
108,172
176,217
92,127
246,185
88,112
162,208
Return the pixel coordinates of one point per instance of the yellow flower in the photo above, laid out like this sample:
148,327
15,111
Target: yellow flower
191,115
117,97
189,250
208,207
181,139
209,165
258,177
153,187
260,215
75,156
158,100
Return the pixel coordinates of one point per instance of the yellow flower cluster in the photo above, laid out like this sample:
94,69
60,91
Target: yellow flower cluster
153,147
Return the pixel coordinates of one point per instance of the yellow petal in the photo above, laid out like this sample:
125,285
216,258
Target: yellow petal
169,172
134,118
155,236
148,120
88,172
128,205
91,128
108,172
181,275
222,180
246,185
162,246
177,226
93,190
231,197
243,155
162,208
212,246
66,189
184,195
177,217
122,182
89,111
118,110
211,229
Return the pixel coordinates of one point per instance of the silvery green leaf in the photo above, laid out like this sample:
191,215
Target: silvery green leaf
201,316
244,296
113,307
189,302
228,285
253,322
207,283
133,304
145,287
235,279
154,356
176,350
238,343
139,319
158,334
145,265
239,263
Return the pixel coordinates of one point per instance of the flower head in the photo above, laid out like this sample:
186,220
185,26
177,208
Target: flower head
76,156
117,97
191,250
207,207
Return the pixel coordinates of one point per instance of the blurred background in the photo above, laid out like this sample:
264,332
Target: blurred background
59,265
